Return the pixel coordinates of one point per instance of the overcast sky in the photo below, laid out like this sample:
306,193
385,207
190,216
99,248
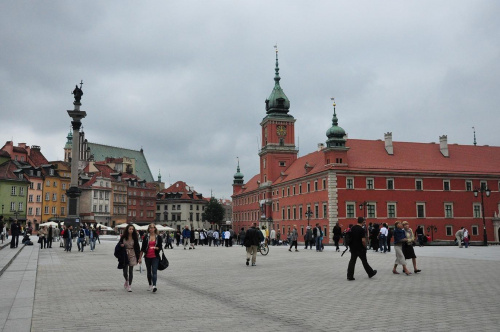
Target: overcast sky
187,80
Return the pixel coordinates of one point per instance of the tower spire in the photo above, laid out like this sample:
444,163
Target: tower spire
474,129
277,103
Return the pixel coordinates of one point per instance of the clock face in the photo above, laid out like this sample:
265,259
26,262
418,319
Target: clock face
281,130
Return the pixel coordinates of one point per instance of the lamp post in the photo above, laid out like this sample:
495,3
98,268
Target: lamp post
308,214
482,190
432,229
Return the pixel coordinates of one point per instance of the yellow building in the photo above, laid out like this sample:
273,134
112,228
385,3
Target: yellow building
57,179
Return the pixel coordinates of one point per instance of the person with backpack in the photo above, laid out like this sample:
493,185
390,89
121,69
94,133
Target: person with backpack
80,241
357,243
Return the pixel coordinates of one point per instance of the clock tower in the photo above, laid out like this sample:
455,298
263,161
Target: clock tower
278,149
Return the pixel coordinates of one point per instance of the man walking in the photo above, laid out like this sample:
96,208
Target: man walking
358,249
80,241
253,238
318,234
272,237
337,234
186,235
460,236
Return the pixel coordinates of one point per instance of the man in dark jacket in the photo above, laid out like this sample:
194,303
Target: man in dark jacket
358,249
253,238
15,230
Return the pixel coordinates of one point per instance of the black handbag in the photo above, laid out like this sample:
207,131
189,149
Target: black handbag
163,264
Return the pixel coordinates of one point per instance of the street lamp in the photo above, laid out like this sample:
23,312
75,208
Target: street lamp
432,229
308,214
483,189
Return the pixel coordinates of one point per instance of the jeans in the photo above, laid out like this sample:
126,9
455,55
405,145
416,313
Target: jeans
318,243
68,244
92,243
383,242
78,241
152,269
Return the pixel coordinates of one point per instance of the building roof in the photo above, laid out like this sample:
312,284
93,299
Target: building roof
37,158
101,152
8,171
181,191
408,157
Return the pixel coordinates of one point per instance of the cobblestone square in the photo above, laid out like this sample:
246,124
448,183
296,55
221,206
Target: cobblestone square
211,289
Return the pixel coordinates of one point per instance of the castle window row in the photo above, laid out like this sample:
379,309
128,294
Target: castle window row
391,184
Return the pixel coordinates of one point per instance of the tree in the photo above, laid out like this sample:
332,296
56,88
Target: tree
214,212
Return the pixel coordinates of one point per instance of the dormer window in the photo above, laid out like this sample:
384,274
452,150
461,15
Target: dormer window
51,171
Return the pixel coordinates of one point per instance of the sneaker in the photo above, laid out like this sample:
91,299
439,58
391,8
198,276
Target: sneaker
350,279
189,248
154,289
289,249
150,288
253,264
125,285
248,261
373,274
129,288
296,250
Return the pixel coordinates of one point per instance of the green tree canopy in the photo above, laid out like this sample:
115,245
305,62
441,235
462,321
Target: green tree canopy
214,212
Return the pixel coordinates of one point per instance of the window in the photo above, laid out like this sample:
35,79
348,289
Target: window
308,187
54,197
369,183
191,208
283,213
173,206
30,198
449,230
64,186
350,207
371,208
420,210
391,210
288,191
30,211
315,185
47,183
101,195
390,184
288,213
324,210
419,184
21,191
448,210
316,211
301,230
446,185
94,208
295,213
300,212
55,184
51,172
282,163
37,211
38,186
20,206
54,209
475,230
47,196
294,189
468,185
63,210
484,185
324,183
350,183
190,216
178,206
300,188
477,210
38,198
46,209
13,190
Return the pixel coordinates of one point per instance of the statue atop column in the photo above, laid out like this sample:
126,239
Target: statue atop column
78,93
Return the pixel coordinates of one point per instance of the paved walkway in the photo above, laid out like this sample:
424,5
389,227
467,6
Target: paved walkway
211,289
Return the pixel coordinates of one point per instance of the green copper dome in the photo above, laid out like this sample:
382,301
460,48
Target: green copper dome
69,142
278,102
238,176
335,134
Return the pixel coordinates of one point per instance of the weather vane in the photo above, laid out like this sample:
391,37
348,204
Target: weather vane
276,47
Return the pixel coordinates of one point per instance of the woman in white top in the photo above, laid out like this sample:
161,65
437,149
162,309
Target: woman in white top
466,238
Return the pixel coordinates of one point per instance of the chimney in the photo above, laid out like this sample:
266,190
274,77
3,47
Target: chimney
321,146
388,143
443,145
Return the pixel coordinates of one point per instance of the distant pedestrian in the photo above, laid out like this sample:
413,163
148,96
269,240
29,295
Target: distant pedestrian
466,238
50,237
420,235
383,238
130,242
192,239
460,236
216,238
408,250
15,230
374,237
308,238
42,233
232,236
68,236
151,246
227,238
93,238
168,241
186,235
177,238
318,235
399,240
253,238
80,241
272,237
210,236
358,249
242,236
337,234
196,237
294,238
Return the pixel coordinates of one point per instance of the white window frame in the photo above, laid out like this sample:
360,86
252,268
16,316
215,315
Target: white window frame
470,183
474,230
451,210
450,228
479,211
347,204
421,184
347,183
444,185
395,210
424,212
370,181
388,180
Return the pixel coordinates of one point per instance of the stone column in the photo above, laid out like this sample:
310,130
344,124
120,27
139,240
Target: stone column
74,192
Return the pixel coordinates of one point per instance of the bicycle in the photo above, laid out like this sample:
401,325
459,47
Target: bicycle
263,248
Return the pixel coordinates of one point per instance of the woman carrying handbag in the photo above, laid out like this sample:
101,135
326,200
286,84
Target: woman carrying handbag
151,246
